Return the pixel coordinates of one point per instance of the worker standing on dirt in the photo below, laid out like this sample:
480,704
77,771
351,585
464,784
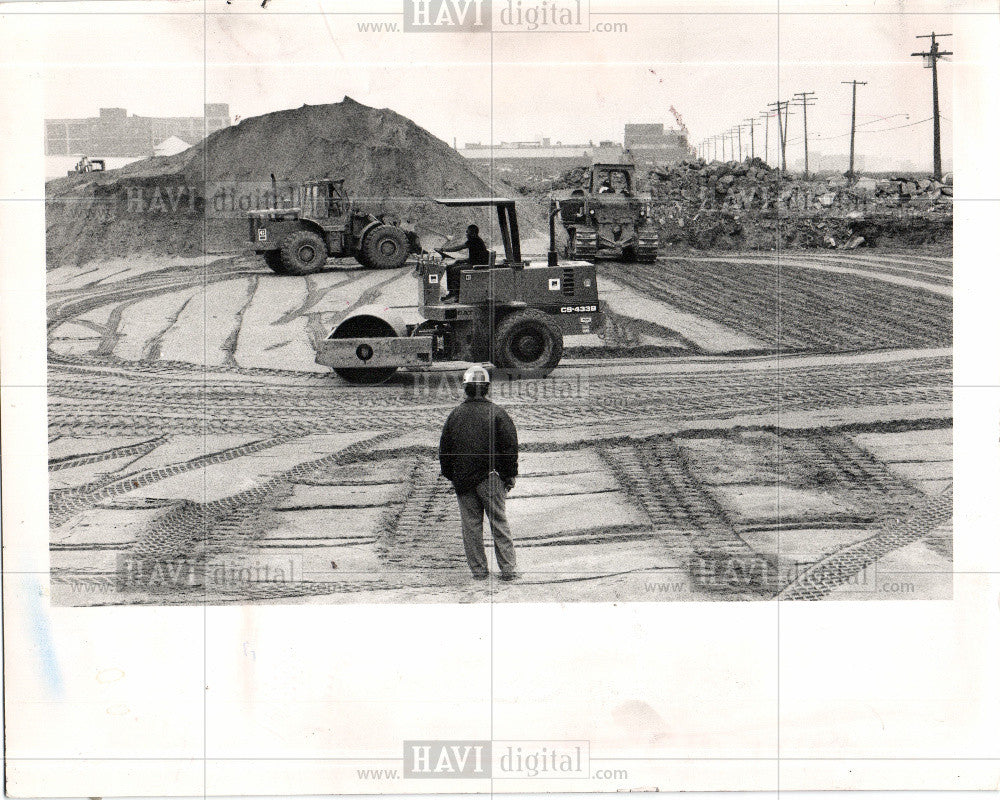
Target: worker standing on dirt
479,456
479,256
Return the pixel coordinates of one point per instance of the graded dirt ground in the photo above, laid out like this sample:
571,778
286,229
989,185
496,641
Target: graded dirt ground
189,426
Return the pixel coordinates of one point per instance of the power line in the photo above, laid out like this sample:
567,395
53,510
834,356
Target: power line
875,130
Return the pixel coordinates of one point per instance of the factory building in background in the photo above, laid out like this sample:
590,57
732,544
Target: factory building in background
652,145
114,133
649,144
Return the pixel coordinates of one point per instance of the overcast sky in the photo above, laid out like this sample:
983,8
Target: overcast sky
717,69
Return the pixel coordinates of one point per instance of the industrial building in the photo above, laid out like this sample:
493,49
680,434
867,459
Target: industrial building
116,133
652,145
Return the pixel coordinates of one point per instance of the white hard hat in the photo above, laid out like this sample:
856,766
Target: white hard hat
476,374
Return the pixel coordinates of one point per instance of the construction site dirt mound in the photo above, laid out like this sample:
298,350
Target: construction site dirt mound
196,201
749,205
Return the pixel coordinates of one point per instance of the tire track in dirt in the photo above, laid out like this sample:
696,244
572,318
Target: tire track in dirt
817,311
319,331
902,268
151,351
64,309
230,342
654,475
136,449
226,522
840,567
63,503
314,294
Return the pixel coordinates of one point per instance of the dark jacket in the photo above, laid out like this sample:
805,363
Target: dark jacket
478,438
479,254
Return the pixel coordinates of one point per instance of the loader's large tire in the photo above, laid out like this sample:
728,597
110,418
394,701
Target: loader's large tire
273,259
303,252
385,247
527,342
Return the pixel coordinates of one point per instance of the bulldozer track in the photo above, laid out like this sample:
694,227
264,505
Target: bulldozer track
654,474
835,570
66,502
145,402
794,308
410,538
232,518
415,539
137,449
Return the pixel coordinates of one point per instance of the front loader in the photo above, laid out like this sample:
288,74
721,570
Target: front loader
327,223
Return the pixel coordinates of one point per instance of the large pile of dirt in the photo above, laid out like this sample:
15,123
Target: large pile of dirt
751,205
196,201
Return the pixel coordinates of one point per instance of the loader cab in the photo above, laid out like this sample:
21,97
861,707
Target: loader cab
325,199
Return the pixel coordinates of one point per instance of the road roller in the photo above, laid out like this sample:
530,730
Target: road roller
511,313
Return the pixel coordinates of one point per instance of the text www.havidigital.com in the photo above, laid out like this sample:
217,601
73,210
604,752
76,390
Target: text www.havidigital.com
480,16
439,758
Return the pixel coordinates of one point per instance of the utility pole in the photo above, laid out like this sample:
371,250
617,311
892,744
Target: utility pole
930,60
739,138
782,129
715,148
766,115
854,116
806,101
753,155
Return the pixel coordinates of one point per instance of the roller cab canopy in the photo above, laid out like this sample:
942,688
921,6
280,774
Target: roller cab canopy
506,219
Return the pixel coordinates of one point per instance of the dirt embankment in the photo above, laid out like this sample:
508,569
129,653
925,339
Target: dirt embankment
751,206
196,201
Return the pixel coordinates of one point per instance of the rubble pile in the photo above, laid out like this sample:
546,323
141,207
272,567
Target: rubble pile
735,205
196,201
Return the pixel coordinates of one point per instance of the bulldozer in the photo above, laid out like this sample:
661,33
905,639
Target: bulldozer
327,223
512,313
606,219
86,164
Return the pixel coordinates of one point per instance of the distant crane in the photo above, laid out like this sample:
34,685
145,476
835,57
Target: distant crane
680,120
